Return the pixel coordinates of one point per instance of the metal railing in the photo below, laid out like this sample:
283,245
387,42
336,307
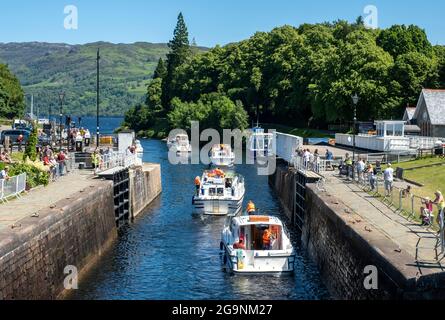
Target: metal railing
114,160
12,187
317,164
403,202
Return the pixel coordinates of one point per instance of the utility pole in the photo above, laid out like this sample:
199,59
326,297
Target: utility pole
61,98
97,98
32,106
355,99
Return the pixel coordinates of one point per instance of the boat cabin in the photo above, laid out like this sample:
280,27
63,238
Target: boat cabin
217,184
252,230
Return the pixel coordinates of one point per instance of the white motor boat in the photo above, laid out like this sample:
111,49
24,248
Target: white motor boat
260,143
180,144
247,250
218,194
221,155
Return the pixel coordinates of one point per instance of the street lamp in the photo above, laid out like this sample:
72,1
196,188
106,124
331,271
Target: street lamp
355,99
97,96
61,98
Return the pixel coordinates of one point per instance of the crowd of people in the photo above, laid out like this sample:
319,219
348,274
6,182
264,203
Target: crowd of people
55,161
76,135
311,161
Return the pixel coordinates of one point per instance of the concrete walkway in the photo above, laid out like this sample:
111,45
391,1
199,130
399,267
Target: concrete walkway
419,242
43,197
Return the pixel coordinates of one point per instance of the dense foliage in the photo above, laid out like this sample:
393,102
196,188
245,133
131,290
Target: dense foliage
36,173
301,77
31,145
211,110
12,103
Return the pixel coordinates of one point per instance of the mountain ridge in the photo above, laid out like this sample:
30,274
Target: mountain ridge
45,69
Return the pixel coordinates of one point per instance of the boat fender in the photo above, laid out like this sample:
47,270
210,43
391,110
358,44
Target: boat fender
221,245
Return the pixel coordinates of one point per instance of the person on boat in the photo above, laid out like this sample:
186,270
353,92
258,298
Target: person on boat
251,208
219,172
266,239
240,244
197,184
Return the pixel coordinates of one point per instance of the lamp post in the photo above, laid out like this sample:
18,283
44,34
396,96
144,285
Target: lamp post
97,98
61,98
355,99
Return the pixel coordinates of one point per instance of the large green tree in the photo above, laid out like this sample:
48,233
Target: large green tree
161,70
12,101
211,110
179,53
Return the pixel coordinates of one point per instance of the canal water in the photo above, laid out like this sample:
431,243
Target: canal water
169,254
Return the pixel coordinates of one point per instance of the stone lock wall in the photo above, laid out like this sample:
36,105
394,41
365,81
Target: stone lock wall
74,232
283,182
145,186
343,248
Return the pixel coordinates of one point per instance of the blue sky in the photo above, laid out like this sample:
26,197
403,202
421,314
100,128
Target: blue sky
211,22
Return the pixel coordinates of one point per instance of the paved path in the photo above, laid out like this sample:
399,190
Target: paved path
43,197
419,242
337,152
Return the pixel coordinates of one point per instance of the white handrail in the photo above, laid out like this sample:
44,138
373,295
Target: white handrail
110,161
12,187
318,165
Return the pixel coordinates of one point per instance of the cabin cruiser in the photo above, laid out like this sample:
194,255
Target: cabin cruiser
221,155
180,144
257,244
219,193
260,143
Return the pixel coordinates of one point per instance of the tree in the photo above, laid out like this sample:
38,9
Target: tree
31,146
161,70
12,100
139,118
400,39
180,51
154,95
413,71
211,110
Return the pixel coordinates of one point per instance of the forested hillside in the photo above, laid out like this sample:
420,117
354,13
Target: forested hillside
46,69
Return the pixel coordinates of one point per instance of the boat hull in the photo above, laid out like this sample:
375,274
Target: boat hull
258,262
223,162
217,207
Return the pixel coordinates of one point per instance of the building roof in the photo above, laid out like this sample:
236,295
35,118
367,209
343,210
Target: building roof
435,104
412,129
409,112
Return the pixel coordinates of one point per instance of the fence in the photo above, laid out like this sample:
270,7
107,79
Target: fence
402,202
114,160
12,187
316,164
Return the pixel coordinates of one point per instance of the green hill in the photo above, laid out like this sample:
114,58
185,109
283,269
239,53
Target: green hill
45,69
